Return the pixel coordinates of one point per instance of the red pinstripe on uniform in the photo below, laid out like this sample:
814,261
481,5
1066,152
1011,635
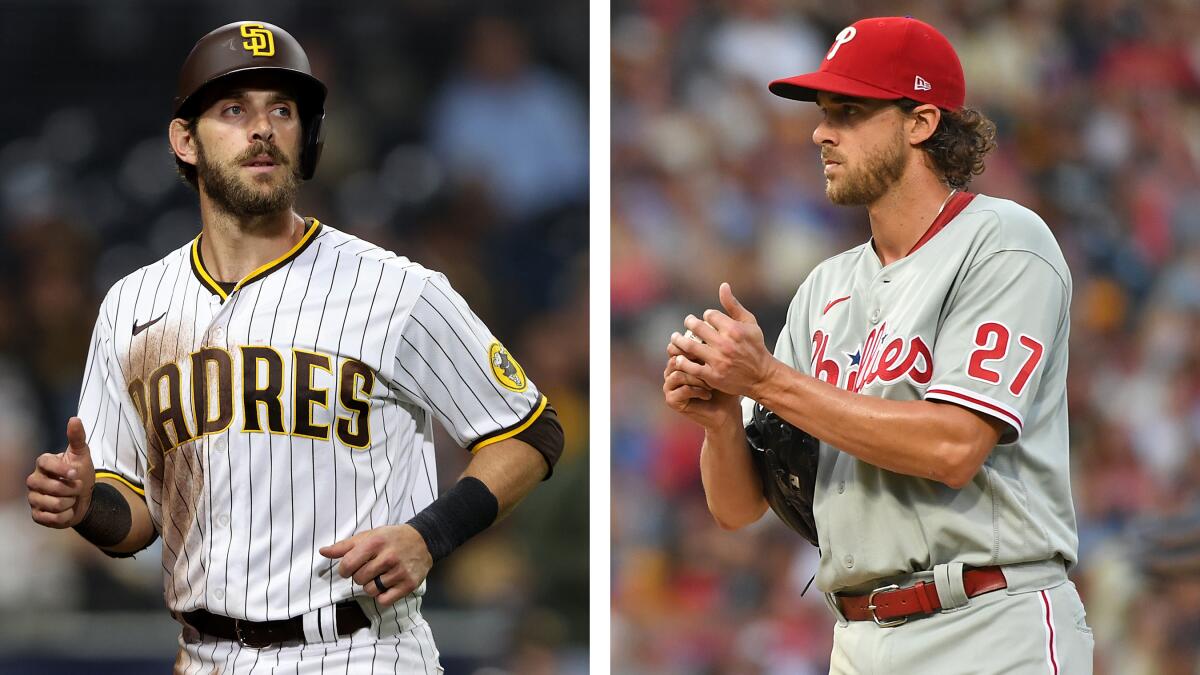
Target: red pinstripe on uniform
1051,647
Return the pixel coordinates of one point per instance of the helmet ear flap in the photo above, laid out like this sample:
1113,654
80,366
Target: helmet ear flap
314,140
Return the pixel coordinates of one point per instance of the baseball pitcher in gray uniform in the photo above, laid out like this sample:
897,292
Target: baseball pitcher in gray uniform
263,398
930,363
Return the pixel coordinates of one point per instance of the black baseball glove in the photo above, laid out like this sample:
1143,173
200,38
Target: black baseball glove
786,459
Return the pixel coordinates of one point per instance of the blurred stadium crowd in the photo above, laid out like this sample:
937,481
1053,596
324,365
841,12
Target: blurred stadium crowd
714,179
456,135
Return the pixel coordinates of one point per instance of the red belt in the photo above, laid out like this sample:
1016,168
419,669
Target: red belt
892,605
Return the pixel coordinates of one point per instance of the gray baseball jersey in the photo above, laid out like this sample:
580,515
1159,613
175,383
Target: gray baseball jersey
289,413
976,316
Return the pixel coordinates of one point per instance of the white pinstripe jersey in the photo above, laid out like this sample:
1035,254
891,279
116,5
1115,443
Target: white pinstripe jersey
976,315
289,414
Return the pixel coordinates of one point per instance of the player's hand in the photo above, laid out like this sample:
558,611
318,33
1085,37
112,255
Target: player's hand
692,397
60,487
733,356
396,553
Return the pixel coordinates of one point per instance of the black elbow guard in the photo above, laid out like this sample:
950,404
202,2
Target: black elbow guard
546,436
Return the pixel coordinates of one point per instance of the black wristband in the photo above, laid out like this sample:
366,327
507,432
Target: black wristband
108,520
460,513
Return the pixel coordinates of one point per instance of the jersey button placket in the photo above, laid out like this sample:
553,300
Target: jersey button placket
876,297
849,560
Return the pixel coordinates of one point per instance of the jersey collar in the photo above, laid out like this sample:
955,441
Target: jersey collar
953,207
206,280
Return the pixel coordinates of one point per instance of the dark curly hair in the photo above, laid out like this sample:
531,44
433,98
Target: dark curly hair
959,144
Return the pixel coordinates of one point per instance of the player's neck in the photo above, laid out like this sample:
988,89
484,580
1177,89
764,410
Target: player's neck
233,247
901,216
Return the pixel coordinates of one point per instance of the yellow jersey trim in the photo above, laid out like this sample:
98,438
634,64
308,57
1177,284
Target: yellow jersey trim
484,442
212,285
278,262
118,477
202,274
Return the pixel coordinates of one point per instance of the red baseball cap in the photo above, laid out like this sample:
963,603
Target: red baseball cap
885,57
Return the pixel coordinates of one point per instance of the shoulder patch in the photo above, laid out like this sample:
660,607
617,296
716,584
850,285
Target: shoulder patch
505,368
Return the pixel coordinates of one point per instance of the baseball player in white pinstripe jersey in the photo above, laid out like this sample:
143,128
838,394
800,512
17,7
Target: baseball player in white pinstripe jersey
930,363
263,399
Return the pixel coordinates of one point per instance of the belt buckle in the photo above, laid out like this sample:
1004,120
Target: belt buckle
888,623
246,641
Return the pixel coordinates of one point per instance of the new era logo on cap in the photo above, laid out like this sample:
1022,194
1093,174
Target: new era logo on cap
878,58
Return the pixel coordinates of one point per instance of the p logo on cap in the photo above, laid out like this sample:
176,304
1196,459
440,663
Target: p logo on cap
890,58
843,37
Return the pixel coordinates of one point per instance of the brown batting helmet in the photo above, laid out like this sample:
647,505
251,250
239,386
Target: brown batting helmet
246,47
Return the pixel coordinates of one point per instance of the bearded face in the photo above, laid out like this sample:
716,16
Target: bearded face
864,180
261,180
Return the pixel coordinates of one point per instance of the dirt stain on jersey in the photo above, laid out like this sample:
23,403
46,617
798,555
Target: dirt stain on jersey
174,475
179,480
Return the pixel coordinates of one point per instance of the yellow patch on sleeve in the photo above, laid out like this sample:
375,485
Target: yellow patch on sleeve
505,368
